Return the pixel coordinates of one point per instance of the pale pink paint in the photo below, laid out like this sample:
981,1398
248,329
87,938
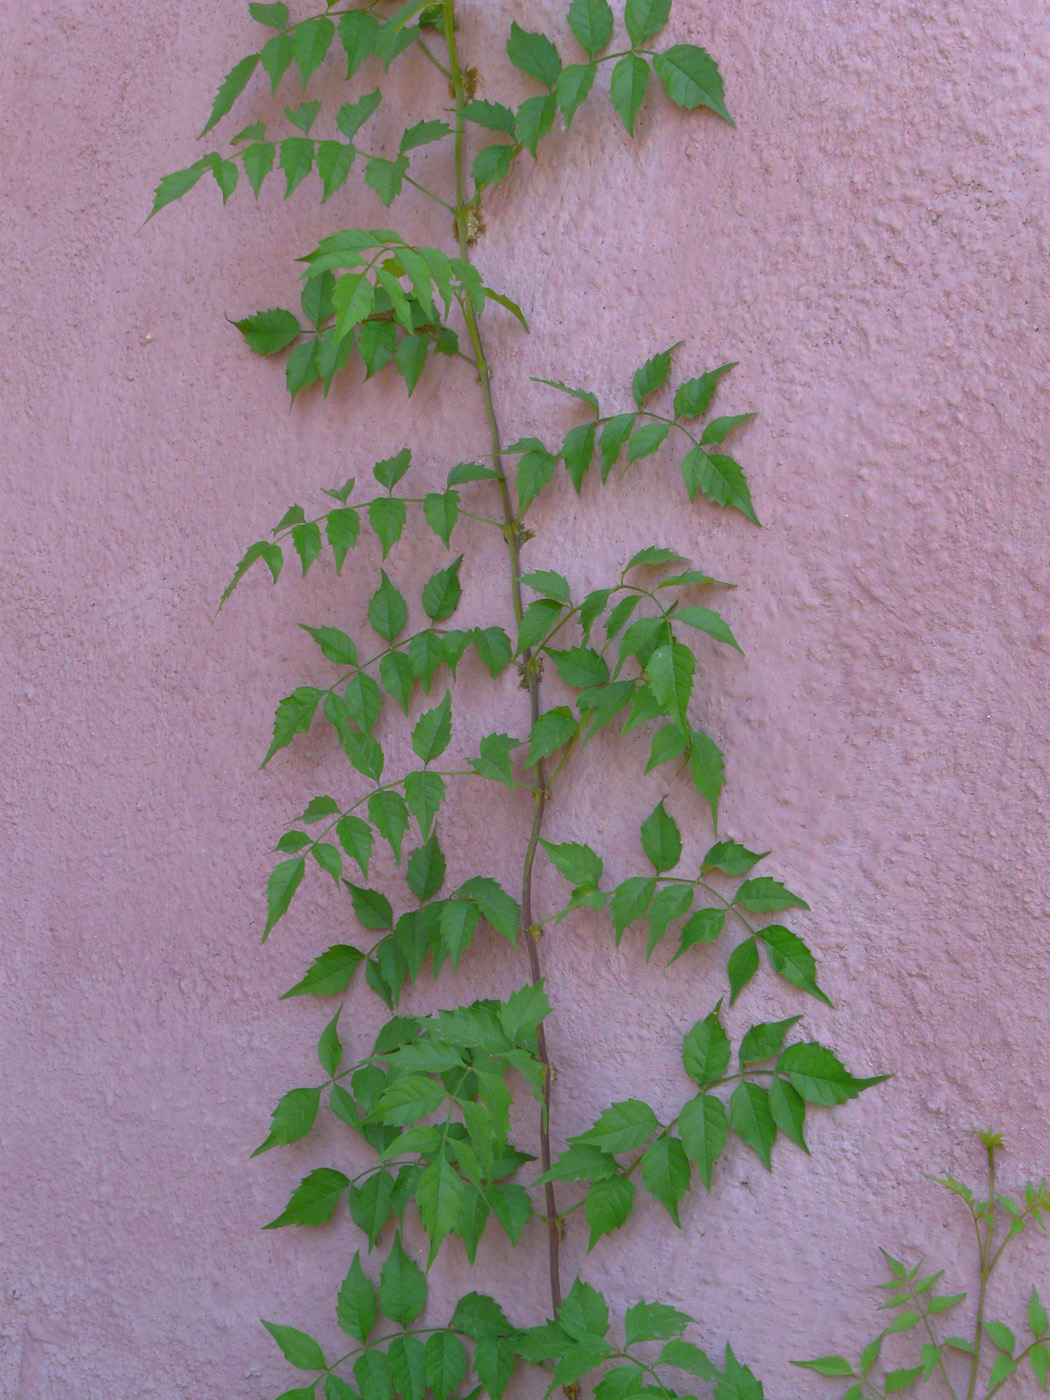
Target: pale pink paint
871,245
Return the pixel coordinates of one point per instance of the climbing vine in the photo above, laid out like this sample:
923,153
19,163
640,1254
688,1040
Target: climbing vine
436,1098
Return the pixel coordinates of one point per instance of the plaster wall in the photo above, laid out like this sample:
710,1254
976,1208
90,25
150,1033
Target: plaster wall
871,245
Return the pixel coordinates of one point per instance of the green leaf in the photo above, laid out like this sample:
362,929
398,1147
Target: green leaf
299,1349
584,1313
356,1302
390,470
535,471
425,872
827,1366
285,879
174,186
494,760
577,451
668,743
650,377
549,584
442,592
258,162
445,1364
458,924
493,646
480,1317
535,119
328,974
387,610
615,433
661,839
1001,1336
580,1163
441,511
353,297
752,1120
376,344
386,177
389,815
491,115
335,645
765,896
277,54
578,863
629,902
718,478
654,1322
607,1206
342,528
705,926
268,332
732,858
371,908
363,700
311,41
644,18
273,16
301,368
512,1208
1040,1359
670,671
411,359
719,428
789,1111
433,731
372,1374
296,160
232,86
550,732
694,396
704,1128
673,902
439,1198
314,1200
666,1175
402,1287
303,116
364,753
398,680
492,164
819,1076
630,78
790,957
495,904
422,134
424,794
765,1040
685,1356
691,79
621,1127
494,1359
372,1204
535,55
742,966
306,539
647,441
706,1051
292,1118
707,621
591,21
1037,1319
426,652
651,557
581,667
901,1380
707,767
358,33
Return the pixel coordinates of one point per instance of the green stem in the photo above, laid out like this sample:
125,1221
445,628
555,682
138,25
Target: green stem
986,1264
531,676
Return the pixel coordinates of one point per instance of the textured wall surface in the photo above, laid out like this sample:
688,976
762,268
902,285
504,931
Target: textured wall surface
871,244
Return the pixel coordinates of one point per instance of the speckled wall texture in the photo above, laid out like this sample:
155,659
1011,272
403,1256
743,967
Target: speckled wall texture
871,245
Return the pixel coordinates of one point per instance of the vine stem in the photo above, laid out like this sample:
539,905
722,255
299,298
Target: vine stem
531,673
986,1264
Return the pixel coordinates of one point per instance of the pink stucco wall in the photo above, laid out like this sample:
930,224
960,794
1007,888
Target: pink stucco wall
872,246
